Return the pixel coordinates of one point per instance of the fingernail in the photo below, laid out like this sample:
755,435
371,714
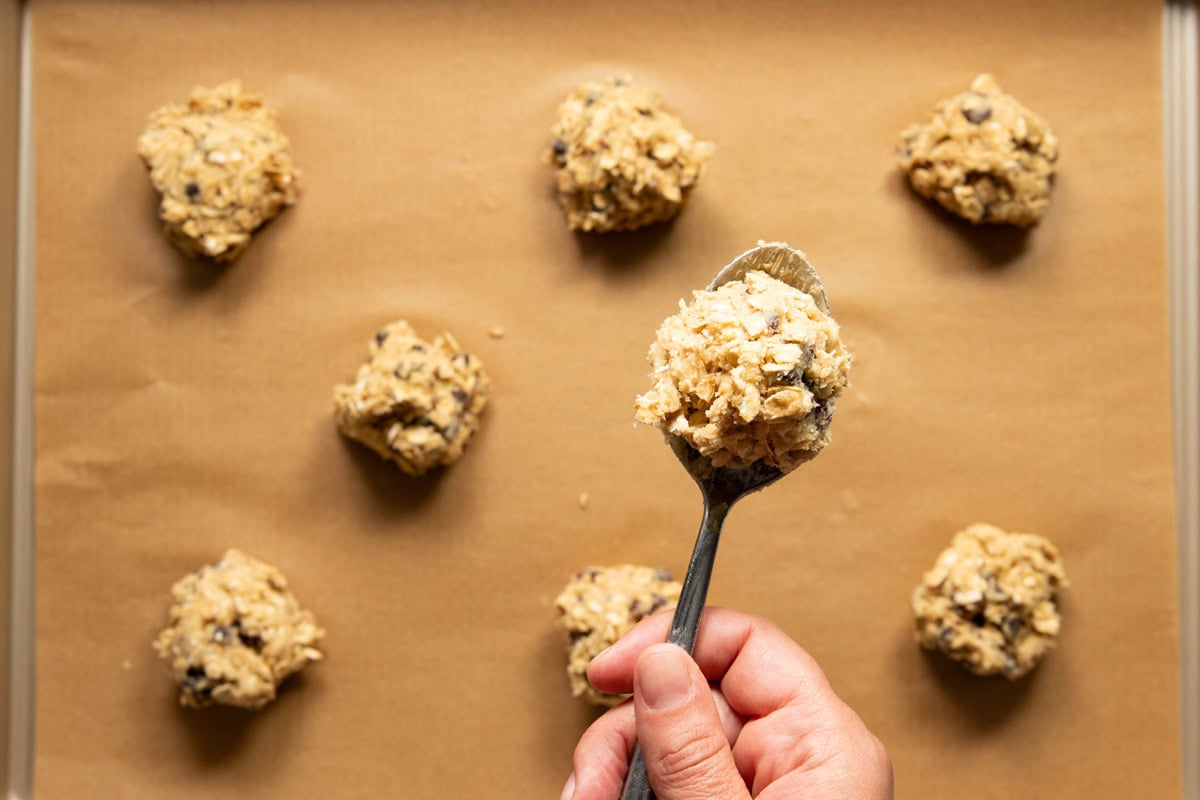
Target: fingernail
569,789
663,677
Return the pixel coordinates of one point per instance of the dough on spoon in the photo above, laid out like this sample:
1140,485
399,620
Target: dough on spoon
236,632
598,606
621,160
990,601
415,403
748,372
222,166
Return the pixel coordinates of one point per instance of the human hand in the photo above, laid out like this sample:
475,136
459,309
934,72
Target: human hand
770,727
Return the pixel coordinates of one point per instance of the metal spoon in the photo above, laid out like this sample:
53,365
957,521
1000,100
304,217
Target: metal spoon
721,487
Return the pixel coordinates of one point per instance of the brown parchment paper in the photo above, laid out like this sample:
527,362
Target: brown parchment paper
1021,380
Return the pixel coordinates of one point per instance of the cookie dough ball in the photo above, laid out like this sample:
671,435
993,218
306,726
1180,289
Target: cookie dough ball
983,156
622,161
415,403
598,606
748,372
236,632
990,601
223,169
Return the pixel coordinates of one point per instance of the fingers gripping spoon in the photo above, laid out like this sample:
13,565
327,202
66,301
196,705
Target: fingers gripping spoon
721,487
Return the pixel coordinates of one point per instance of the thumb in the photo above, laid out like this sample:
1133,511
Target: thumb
687,754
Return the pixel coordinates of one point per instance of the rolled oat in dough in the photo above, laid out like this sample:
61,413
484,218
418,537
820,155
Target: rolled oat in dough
983,156
415,403
748,372
990,601
222,166
622,161
600,605
236,633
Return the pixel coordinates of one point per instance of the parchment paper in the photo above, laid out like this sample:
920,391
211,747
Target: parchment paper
1019,380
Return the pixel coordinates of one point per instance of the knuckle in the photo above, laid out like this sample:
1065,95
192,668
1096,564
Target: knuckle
691,758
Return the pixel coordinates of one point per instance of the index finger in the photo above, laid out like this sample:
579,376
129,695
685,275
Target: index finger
759,668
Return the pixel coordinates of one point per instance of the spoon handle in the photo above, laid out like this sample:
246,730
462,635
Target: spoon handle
699,573
686,621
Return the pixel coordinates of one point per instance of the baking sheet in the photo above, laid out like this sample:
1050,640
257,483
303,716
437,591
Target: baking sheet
1019,380
1181,123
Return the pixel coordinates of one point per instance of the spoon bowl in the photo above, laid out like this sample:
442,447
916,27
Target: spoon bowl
722,486
781,262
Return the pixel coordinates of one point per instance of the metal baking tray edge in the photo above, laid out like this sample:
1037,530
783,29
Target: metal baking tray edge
16,269
1181,161
1181,140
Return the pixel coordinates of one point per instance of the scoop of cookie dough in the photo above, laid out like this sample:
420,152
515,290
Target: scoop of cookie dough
236,632
222,166
983,156
622,161
748,372
990,601
415,403
598,606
